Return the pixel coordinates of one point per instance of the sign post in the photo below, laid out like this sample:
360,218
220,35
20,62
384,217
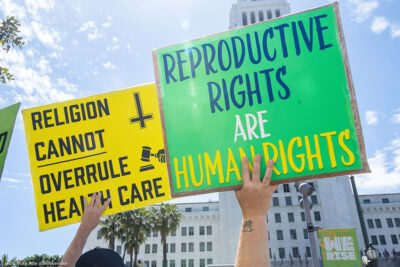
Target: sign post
280,88
110,143
7,121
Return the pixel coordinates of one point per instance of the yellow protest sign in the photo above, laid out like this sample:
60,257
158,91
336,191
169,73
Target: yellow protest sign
111,143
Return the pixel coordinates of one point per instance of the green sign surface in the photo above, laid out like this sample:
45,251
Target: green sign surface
280,88
339,247
7,121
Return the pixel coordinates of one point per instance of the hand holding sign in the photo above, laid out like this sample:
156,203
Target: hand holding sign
254,196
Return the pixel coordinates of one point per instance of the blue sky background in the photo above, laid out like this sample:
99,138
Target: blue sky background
80,48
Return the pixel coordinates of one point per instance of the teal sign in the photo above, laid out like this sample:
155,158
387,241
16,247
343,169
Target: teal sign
280,88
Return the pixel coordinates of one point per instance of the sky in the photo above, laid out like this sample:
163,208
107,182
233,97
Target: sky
80,48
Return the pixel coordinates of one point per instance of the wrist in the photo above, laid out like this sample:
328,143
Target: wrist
254,216
84,229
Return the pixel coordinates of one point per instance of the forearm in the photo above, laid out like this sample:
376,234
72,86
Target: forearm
253,243
74,250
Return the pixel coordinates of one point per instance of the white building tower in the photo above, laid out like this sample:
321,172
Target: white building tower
245,12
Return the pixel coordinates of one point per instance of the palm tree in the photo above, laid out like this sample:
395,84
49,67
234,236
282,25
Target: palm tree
109,229
4,261
165,220
136,224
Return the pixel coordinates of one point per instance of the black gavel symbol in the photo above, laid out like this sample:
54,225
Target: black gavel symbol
146,154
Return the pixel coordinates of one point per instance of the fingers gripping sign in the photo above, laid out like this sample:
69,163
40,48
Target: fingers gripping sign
254,196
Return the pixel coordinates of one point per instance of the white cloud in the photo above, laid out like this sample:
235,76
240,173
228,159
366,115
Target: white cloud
69,87
379,24
106,25
44,66
92,30
371,117
114,44
396,118
395,30
8,8
11,180
108,65
48,37
363,9
385,171
185,25
34,5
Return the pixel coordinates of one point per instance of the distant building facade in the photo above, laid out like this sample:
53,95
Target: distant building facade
246,12
382,219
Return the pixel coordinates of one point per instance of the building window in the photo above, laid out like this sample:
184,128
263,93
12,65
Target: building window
397,222
98,235
155,234
279,234
277,12
317,216
276,191
146,262
191,262
378,223
148,234
183,231
295,252
202,246
171,263
173,233
191,247
252,17
191,230
367,201
183,247
202,262
275,201
299,198
290,216
244,18
394,240
308,251
303,216
147,249
269,14
385,200
183,263
188,209
209,246
293,234
286,188
206,208
154,248
153,263
370,223
209,230
314,199
278,218
201,230
382,239
209,261
281,253
260,16
305,233
172,247
374,240
389,222
119,248
288,201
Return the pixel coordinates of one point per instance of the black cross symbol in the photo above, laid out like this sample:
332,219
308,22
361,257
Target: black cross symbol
141,117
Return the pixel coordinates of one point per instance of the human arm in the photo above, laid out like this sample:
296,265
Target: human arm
90,219
254,198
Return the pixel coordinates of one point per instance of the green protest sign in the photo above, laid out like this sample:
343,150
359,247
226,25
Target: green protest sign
280,88
339,247
7,121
